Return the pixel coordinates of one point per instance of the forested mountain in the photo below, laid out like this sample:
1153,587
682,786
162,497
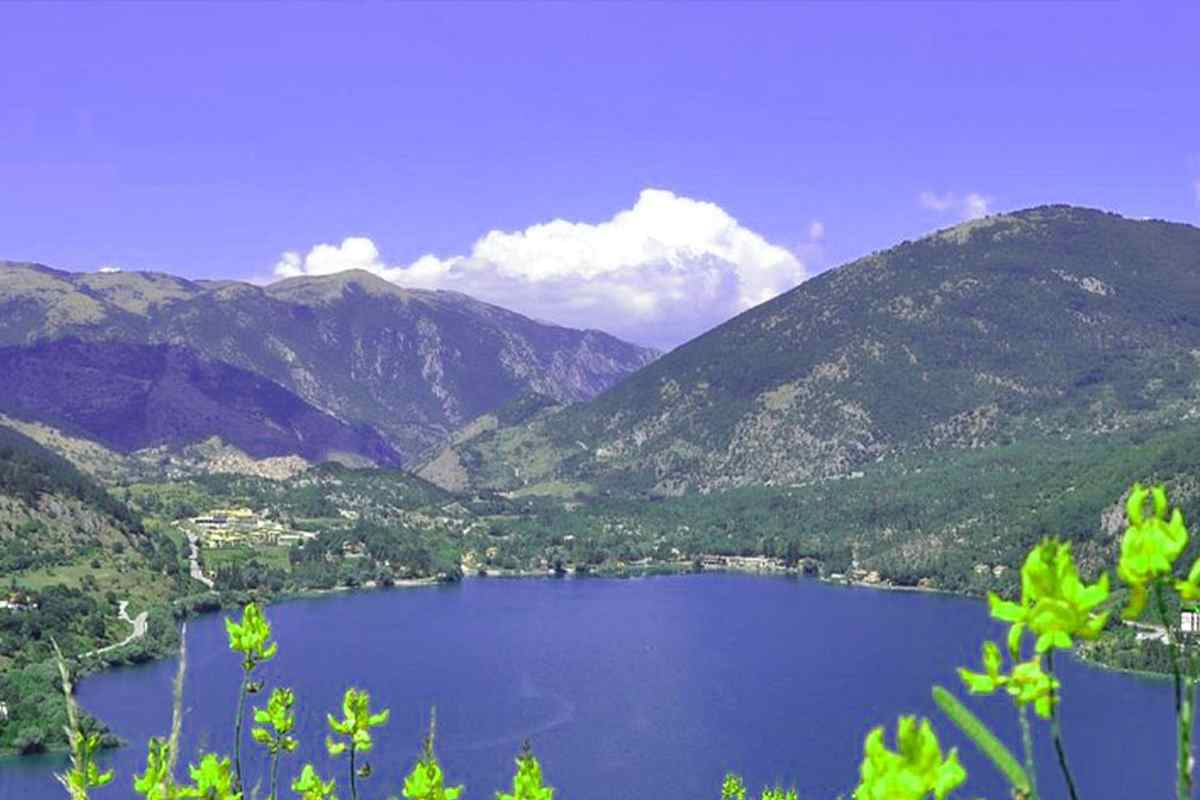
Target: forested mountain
414,365
1050,322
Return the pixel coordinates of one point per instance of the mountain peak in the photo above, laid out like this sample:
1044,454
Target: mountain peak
326,288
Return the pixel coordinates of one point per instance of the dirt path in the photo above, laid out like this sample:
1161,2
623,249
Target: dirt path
139,624
194,562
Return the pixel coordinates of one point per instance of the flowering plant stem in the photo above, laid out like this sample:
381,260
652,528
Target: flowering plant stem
1185,690
1056,732
1027,741
237,728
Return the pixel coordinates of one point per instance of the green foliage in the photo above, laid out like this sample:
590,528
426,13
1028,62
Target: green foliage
777,793
733,788
984,739
157,782
212,779
1055,604
527,783
83,774
309,786
913,771
355,724
1027,683
250,637
426,781
277,721
1150,546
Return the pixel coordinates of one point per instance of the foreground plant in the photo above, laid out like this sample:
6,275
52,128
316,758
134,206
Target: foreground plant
250,637
212,779
913,771
426,781
83,774
355,728
310,786
733,788
277,721
1149,549
527,783
1057,608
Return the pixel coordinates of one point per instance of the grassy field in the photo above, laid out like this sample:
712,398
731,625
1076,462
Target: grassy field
213,558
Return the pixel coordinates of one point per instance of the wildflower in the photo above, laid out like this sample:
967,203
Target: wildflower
356,723
281,718
527,783
1150,546
911,772
1027,683
1055,604
250,637
309,786
212,780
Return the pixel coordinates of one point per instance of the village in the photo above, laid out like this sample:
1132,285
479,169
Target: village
242,527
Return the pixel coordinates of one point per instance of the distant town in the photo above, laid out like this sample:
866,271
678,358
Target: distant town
242,527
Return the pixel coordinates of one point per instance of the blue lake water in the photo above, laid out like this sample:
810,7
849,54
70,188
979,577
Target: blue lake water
647,688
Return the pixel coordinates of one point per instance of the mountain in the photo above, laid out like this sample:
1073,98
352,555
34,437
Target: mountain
414,365
132,397
1050,322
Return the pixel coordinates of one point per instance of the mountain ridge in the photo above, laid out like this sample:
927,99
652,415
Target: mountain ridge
414,364
1041,322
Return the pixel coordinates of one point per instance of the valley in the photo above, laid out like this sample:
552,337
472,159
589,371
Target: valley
147,479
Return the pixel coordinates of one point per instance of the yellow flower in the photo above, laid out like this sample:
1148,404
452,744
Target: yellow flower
913,771
1150,546
1055,604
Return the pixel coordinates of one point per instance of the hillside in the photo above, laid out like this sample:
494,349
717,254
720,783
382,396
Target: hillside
1050,322
415,365
131,397
70,554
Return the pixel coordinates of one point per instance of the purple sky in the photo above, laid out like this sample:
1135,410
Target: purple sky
210,140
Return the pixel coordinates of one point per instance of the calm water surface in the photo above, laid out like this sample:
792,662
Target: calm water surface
648,688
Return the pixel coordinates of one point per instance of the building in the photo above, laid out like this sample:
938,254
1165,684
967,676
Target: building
1189,622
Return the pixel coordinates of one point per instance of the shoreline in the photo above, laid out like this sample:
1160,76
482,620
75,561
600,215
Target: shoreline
639,571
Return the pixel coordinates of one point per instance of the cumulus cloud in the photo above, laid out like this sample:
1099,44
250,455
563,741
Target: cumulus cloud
970,206
658,273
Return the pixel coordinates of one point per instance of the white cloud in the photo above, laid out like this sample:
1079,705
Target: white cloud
936,202
816,231
970,206
659,273
109,269
976,206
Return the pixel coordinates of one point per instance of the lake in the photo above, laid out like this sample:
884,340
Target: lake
644,688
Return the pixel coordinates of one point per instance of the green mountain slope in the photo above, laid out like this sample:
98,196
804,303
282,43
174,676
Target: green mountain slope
1054,321
70,554
415,365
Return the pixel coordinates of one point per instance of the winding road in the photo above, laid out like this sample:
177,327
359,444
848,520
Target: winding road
139,630
194,561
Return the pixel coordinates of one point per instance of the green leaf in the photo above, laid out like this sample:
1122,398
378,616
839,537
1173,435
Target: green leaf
984,739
